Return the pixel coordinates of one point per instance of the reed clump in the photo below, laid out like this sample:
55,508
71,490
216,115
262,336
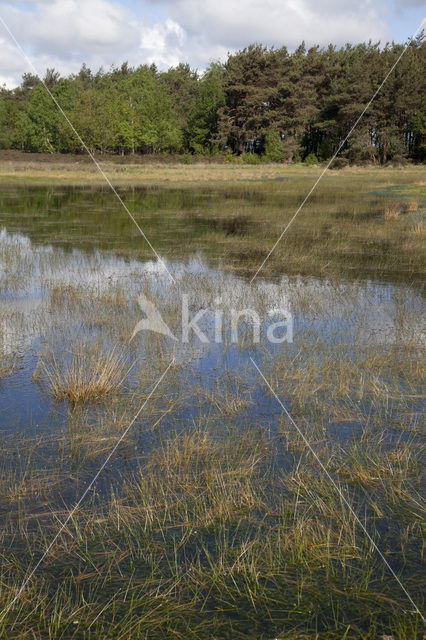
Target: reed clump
8,365
84,376
400,207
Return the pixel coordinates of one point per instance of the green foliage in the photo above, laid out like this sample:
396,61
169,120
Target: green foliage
10,115
274,147
311,160
339,163
187,158
181,84
202,127
232,157
419,136
261,102
314,97
38,128
251,158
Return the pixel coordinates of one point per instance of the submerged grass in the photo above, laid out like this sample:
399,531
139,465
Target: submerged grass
213,520
209,539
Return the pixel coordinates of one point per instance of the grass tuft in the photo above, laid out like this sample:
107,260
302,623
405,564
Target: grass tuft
85,376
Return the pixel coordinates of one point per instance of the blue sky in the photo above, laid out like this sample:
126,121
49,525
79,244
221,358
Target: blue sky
404,20
65,33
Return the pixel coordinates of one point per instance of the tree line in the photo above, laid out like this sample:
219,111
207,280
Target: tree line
261,103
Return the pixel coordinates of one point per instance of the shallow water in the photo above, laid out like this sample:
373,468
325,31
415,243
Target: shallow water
323,312
65,286
349,372
56,240
233,226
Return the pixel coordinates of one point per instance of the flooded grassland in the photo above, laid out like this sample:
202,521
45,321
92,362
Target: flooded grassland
266,488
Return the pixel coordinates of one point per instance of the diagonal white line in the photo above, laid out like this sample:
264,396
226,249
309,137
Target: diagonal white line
86,148
419,28
86,491
351,509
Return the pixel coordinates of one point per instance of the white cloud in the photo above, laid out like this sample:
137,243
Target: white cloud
65,33
236,23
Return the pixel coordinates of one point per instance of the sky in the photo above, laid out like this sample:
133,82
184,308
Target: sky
64,34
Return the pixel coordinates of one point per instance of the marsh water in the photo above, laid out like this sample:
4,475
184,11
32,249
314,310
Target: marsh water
73,266
346,362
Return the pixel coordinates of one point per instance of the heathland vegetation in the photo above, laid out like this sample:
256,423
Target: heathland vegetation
261,103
